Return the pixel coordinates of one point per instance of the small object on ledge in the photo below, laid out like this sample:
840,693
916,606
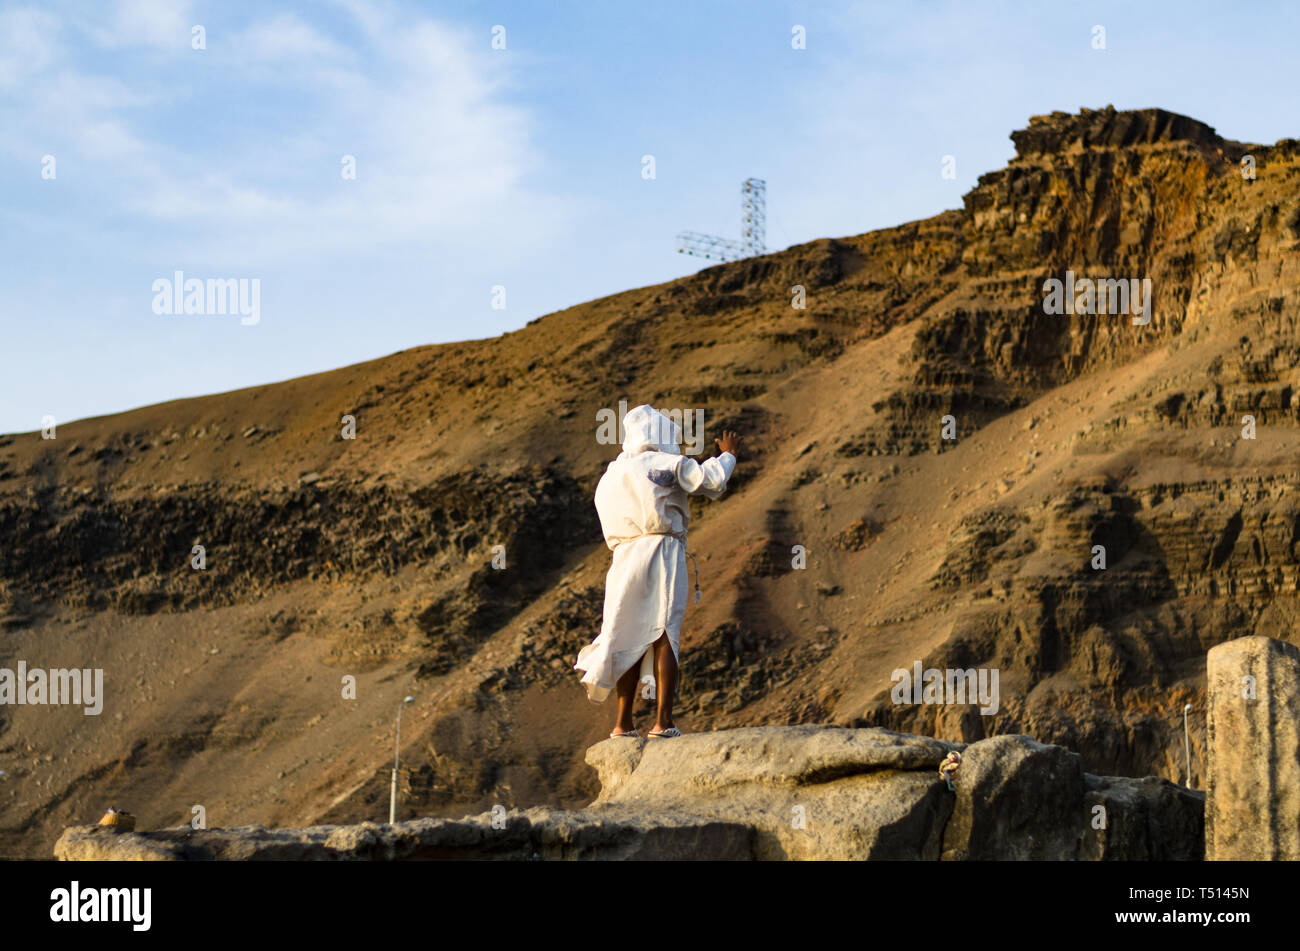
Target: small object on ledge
948,769
118,819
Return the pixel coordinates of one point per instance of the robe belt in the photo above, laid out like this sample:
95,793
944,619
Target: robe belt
681,537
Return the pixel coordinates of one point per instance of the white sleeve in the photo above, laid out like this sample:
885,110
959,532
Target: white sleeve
708,478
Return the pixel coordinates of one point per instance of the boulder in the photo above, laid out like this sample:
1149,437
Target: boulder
1016,799
809,792
1142,820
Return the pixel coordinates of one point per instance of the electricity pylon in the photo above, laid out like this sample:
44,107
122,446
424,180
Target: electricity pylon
753,229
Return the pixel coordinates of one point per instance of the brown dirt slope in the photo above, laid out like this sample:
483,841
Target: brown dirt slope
371,558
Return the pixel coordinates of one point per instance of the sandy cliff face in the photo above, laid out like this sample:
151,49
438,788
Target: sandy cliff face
372,557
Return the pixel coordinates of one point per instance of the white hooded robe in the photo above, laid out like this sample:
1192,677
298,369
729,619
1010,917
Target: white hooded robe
644,513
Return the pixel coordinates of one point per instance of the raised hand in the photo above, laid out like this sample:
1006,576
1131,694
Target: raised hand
730,442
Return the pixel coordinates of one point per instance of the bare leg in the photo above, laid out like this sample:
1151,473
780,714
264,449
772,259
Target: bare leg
626,690
665,683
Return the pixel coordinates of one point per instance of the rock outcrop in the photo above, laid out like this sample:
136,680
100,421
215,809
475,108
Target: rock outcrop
767,793
809,792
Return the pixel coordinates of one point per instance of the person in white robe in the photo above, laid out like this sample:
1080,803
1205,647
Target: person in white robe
642,502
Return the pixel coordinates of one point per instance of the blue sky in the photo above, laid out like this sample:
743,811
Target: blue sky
519,167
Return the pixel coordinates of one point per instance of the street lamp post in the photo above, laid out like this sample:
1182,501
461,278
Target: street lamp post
397,746
1187,745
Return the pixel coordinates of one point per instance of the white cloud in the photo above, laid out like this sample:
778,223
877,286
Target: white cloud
441,152
27,44
286,37
163,24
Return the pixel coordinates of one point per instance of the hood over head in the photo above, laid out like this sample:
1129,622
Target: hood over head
646,429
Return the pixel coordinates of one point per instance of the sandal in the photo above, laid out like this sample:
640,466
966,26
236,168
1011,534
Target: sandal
665,734
632,733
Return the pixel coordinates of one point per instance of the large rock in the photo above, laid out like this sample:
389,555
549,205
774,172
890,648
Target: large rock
1253,805
1019,799
1141,820
809,792
1016,799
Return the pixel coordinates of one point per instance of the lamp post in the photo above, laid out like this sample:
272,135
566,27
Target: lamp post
1187,745
397,745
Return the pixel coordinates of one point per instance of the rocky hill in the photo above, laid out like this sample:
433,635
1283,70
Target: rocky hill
372,557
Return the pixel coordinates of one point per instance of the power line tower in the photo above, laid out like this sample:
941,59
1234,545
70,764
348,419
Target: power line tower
753,210
753,229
